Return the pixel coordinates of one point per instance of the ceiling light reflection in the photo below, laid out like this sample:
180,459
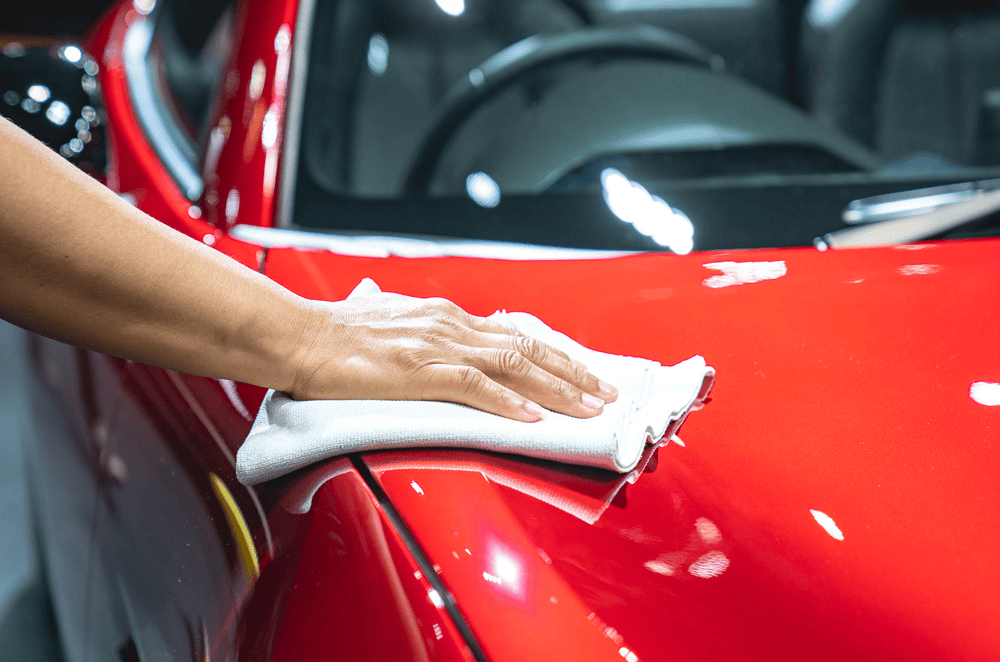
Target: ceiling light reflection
71,54
709,565
919,269
483,190
827,523
58,113
985,393
628,655
742,273
144,6
507,569
378,54
39,93
824,14
649,214
452,7
14,49
707,530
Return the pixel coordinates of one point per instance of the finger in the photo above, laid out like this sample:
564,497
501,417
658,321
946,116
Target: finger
513,370
490,325
555,362
468,385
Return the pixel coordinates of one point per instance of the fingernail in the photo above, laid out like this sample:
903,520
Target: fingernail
533,409
592,402
607,389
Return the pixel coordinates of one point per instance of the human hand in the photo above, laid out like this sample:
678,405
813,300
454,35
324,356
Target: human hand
393,347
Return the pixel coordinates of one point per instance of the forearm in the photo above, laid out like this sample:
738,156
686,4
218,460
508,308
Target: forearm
82,266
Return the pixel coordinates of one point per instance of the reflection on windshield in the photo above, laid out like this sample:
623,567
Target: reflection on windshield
378,54
483,190
452,7
649,214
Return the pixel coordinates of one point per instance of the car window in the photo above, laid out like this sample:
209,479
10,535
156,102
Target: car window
187,56
639,125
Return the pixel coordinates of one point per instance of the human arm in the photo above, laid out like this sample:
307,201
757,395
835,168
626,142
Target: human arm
82,266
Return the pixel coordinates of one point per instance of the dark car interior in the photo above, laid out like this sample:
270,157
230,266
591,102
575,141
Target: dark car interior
760,119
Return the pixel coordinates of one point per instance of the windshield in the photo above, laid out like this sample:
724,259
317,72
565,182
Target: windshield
642,124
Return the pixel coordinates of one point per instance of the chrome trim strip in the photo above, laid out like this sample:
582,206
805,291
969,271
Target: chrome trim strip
294,112
385,246
913,228
161,129
910,203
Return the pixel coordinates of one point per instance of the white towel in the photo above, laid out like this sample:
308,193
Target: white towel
653,400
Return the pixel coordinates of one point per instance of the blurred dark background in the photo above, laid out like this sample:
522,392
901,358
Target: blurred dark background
51,17
27,629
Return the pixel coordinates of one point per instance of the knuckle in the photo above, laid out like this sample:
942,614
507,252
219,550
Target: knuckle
579,374
470,381
511,362
565,391
529,347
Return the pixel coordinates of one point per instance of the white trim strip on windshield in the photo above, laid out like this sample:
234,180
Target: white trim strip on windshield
162,132
385,246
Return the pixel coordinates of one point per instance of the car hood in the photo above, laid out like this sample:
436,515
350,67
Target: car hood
835,498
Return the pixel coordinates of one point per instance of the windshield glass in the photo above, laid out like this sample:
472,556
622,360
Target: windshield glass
639,124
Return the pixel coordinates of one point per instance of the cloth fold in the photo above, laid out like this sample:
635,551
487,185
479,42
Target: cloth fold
653,401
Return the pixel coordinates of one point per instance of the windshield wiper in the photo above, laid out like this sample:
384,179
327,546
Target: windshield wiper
898,218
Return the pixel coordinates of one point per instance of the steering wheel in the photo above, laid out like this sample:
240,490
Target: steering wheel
534,53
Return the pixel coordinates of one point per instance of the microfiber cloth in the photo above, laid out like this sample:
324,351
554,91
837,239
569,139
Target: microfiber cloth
653,401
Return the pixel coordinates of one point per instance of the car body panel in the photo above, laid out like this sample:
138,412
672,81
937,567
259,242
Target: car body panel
829,398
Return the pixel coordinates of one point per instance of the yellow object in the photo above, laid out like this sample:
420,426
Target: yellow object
238,525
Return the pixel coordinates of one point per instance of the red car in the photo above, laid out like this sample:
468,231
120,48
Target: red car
647,177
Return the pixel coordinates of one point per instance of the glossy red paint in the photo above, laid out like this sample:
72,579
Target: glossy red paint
843,388
133,165
355,591
249,122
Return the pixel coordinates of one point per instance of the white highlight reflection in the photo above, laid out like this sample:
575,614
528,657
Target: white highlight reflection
507,569
39,93
378,54
985,393
919,269
707,530
144,6
257,76
827,523
711,564
649,214
232,205
416,488
660,567
71,54
483,190
452,7
824,14
742,273
58,113
435,598
628,655
269,128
